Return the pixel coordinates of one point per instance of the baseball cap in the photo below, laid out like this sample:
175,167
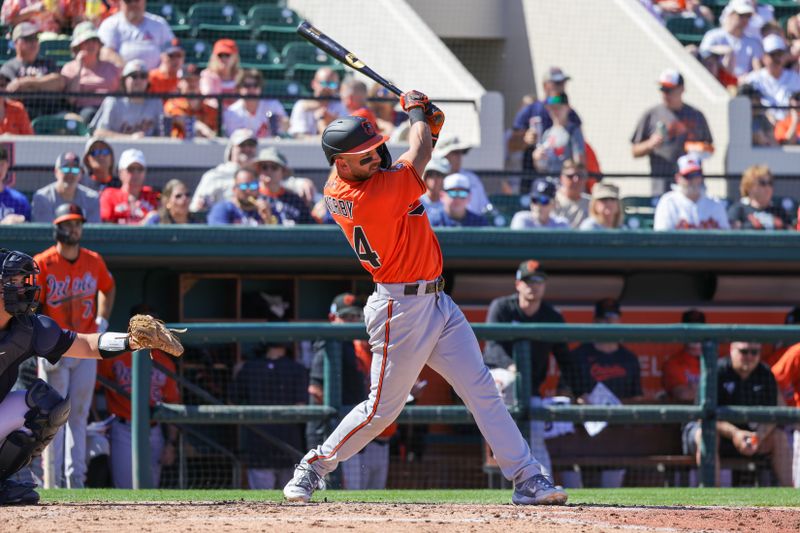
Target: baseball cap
693,316
189,70
773,43
543,188
556,75
748,89
602,191
242,135
68,211
271,155
669,79
24,29
346,303
438,164
173,45
530,269
742,7
689,165
68,158
456,181
607,308
793,316
225,46
85,31
131,156
557,99
134,66
451,144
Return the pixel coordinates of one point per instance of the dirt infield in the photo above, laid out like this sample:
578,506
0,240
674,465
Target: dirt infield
220,517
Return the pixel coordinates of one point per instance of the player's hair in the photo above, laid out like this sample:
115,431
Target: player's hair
750,176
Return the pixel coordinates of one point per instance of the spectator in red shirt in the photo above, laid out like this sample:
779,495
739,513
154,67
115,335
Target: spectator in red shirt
14,119
681,372
131,202
164,78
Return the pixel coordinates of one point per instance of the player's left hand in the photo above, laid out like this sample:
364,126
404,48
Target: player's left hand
413,99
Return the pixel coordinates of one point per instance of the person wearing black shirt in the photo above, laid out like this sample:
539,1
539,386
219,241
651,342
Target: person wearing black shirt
743,379
527,306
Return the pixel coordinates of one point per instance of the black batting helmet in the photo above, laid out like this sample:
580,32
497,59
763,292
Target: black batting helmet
69,211
354,135
19,299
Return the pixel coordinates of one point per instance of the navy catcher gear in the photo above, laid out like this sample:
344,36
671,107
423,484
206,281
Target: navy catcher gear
19,297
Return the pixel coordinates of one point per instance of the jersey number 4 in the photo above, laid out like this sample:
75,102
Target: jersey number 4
364,251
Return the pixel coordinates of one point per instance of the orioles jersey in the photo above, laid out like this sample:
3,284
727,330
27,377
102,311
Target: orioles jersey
69,288
386,224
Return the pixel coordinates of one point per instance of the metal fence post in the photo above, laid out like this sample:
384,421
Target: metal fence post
521,352
140,420
707,394
332,395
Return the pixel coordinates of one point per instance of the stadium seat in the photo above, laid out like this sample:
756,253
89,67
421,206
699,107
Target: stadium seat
197,51
263,57
7,50
688,30
57,50
285,88
508,204
302,60
58,125
214,20
639,211
274,24
174,16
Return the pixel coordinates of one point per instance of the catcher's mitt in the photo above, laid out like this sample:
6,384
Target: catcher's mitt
145,331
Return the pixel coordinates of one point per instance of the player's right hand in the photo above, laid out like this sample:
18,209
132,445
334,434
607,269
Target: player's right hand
413,99
435,119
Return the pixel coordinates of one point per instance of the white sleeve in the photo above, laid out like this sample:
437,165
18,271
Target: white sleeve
721,215
298,122
202,192
108,34
663,217
518,220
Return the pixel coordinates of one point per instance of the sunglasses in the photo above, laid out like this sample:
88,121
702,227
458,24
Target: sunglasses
223,56
329,84
100,151
765,183
749,351
138,76
252,186
251,85
458,193
541,201
70,170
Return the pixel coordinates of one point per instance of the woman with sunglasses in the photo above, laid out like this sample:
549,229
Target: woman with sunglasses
540,215
174,206
98,159
220,76
756,209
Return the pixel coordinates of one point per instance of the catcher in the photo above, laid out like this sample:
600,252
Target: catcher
30,419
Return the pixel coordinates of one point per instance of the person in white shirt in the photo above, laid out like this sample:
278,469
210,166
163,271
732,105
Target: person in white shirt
217,183
746,52
540,215
687,206
572,202
133,33
265,117
454,150
311,117
775,82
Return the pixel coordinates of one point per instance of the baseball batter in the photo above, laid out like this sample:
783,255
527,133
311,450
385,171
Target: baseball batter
29,419
410,321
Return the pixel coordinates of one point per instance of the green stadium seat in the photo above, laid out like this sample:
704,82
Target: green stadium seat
7,50
688,30
274,24
302,60
639,211
197,51
285,88
783,8
58,125
56,49
173,14
253,54
214,20
508,204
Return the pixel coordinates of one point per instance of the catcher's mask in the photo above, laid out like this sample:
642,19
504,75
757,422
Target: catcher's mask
354,135
19,295
66,212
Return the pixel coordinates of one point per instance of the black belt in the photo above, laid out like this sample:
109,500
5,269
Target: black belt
433,286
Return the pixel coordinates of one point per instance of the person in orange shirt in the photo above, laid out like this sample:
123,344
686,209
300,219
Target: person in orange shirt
681,372
115,376
78,293
410,321
786,130
14,118
206,117
164,78
787,374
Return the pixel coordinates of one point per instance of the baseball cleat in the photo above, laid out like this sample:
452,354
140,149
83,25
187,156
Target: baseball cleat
538,490
16,493
303,484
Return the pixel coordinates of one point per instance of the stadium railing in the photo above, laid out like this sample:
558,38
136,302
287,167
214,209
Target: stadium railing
705,410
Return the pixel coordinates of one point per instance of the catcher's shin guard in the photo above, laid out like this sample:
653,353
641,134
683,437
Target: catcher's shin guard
48,411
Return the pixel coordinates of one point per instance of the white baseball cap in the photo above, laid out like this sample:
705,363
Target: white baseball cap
742,7
773,43
670,78
131,156
438,164
456,181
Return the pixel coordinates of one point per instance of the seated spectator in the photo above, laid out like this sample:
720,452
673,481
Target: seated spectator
560,142
173,206
609,363
87,73
742,379
28,72
217,183
310,117
52,17
131,202
713,59
133,33
66,189
192,111
265,117
223,69
14,207
14,118
775,83
245,207
787,376
540,215
435,172
572,202
687,206
164,78
763,15
354,98
98,158
454,149
129,116
786,130
681,372
386,114
605,211
287,206
756,209
746,51
761,128
455,199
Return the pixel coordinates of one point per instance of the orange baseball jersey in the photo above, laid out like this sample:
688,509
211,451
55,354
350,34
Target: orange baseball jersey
386,224
118,370
787,374
69,289
680,370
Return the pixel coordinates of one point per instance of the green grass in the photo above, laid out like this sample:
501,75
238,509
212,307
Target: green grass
761,497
